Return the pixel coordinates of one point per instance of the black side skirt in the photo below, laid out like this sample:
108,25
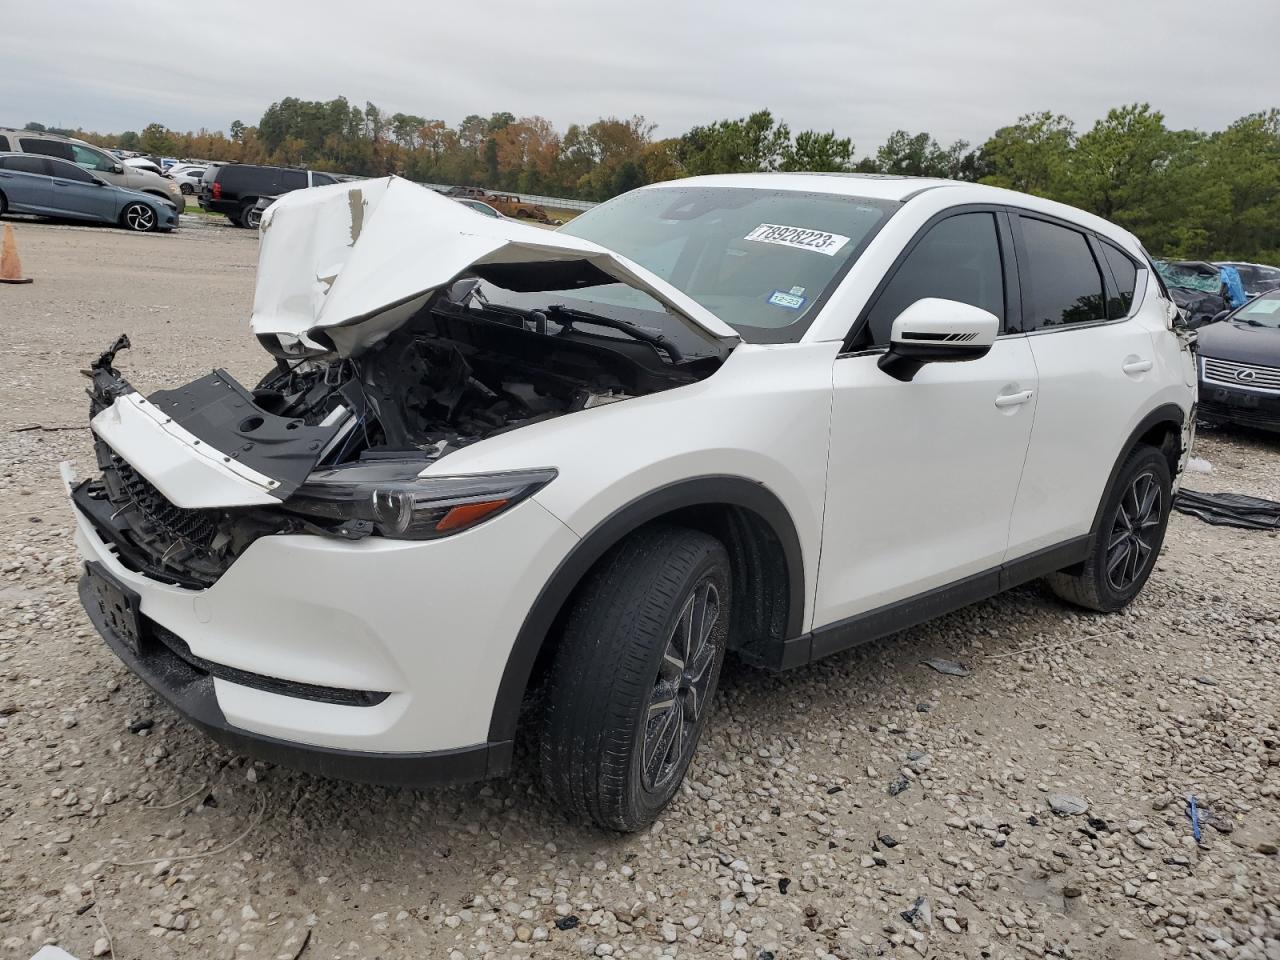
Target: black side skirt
903,614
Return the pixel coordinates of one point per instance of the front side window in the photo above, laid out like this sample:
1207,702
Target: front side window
69,171
321,180
50,148
292,179
1125,273
759,259
4,142
1064,280
958,259
92,159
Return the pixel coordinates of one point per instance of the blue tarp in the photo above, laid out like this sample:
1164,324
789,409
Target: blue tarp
1235,289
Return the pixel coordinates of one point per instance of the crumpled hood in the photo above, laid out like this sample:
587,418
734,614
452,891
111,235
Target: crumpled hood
354,260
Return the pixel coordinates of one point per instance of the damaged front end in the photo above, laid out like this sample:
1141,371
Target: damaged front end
339,439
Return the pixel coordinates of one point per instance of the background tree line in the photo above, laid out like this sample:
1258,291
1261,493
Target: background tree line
1186,193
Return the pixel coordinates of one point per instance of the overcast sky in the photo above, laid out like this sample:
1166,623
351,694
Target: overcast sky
957,69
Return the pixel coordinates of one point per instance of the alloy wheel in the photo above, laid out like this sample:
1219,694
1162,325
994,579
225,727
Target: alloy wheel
678,699
1134,531
140,217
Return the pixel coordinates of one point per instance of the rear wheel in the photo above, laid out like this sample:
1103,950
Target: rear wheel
138,217
1128,538
634,674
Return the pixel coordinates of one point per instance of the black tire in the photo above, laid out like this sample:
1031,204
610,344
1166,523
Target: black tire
250,216
3,205
187,189
1130,532
139,217
612,672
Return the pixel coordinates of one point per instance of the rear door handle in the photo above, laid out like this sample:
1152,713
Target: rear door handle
1013,399
1136,366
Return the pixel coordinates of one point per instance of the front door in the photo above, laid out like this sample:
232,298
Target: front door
922,476
77,193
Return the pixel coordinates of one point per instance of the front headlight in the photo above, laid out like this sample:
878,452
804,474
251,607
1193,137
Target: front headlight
390,499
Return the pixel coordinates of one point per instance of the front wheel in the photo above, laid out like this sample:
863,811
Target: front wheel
1128,538
250,216
139,217
634,674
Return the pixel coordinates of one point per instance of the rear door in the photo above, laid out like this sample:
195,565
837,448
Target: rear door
922,476
77,193
1095,359
24,181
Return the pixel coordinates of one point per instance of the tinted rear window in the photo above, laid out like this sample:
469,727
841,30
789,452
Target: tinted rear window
238,179
1125,273
27,164
4,142
50,148
1066,286
292,179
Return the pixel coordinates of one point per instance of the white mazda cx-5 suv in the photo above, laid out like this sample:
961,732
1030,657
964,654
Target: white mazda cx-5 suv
771,415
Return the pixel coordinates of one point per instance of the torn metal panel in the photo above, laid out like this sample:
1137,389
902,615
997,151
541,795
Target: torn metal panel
342,263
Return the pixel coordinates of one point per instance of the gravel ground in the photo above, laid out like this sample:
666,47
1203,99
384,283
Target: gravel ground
863,806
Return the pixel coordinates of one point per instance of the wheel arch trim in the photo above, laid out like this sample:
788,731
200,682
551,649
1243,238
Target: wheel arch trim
1168,413
712,490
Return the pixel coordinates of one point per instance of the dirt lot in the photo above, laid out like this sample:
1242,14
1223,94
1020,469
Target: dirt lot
123,830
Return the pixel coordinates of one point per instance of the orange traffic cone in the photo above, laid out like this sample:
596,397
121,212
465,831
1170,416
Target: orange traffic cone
10,265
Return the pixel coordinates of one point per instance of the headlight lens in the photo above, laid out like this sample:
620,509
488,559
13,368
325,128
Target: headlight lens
390,499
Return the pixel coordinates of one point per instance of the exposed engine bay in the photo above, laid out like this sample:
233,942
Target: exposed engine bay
460,370
463,369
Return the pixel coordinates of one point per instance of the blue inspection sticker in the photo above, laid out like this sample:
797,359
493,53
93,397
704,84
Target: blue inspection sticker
791,301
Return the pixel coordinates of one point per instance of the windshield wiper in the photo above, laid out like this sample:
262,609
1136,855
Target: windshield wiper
567,316
1252,322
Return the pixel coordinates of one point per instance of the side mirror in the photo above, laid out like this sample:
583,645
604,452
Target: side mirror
1220,315
933,330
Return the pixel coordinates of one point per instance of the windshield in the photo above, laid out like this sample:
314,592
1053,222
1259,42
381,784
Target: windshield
1262,312
763,261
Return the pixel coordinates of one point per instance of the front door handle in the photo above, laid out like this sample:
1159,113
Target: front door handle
1136,365
1014,399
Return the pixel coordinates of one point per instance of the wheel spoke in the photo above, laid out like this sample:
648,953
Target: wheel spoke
1118,536
1135,563
657,745
1150,499
1115,560
658,706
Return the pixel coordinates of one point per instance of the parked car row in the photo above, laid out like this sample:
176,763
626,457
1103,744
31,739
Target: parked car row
49,187
95,160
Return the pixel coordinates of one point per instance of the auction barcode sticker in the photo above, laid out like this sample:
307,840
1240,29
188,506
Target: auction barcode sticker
819,241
